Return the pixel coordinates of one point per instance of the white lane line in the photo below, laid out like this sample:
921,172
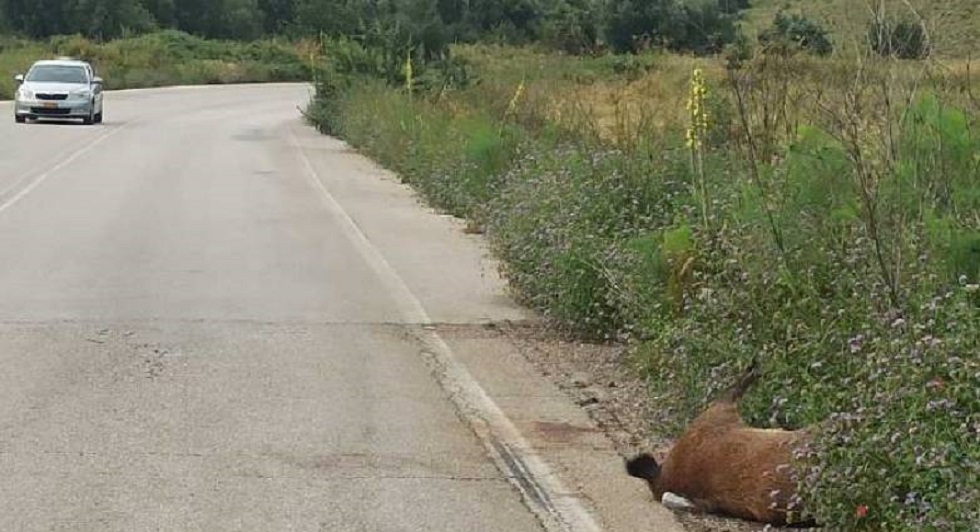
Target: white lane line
558,508
34,183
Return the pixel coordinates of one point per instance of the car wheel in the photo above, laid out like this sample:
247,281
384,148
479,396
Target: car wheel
20,119
98,118
89,120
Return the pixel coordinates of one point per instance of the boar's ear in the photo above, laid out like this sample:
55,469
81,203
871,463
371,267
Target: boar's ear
748,378
643,466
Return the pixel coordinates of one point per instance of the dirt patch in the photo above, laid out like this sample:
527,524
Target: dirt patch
599,379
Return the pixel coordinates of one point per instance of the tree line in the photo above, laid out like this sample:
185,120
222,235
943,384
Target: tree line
571,25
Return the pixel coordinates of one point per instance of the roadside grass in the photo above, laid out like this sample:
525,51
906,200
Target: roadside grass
824,219
164,58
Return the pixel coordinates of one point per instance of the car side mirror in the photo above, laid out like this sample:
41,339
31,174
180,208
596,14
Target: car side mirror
97,80
19,78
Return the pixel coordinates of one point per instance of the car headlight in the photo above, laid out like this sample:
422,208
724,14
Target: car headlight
83,94
24,94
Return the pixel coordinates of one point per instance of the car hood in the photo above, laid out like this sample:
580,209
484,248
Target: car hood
56,88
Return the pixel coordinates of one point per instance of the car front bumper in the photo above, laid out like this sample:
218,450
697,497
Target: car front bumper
53,109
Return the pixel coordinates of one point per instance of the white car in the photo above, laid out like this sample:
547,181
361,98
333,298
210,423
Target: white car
62,88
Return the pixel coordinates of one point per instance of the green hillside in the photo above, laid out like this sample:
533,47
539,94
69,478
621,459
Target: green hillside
954,25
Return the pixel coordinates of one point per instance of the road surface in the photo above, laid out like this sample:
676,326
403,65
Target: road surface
213,318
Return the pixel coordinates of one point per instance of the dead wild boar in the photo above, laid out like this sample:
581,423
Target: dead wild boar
723,466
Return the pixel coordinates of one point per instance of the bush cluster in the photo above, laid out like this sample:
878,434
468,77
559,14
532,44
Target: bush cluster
903,39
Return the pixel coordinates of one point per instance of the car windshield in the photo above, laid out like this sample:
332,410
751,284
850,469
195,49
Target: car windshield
57,74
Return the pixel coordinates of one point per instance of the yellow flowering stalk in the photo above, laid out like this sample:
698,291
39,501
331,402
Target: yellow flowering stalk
696,133
512,106
408,72
699,114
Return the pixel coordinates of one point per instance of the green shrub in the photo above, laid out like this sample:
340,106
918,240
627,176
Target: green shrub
325,110
904,39
653,275
573,26
964,256
567,224
632,66
508,21
447,73
697,26
791,31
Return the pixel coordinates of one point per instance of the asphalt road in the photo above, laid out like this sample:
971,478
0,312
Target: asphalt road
213,318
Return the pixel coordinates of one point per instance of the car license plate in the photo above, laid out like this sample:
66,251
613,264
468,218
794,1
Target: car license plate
49,105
